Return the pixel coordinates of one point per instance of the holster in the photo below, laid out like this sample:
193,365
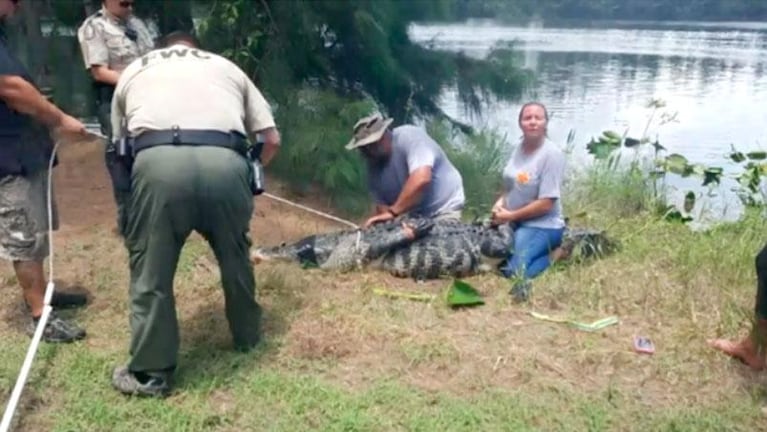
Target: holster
256,169
120,165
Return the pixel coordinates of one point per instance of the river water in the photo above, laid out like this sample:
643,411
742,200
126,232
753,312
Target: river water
597,76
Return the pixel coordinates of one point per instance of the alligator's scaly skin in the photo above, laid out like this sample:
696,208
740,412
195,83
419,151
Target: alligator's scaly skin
451,249
440,248
347,249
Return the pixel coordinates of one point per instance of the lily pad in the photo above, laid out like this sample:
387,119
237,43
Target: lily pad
712,175
676,163
461,293
737,157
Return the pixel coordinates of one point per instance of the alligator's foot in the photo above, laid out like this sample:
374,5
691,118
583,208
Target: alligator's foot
417,228
559,254
409,231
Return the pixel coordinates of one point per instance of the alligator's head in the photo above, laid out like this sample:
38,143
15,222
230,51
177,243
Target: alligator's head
303,250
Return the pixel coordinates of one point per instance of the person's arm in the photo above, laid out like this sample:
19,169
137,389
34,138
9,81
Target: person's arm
105,75
532,210
259,120
23,97
420,161
412,191
117,114
271,144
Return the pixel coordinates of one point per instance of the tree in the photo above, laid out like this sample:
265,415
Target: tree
355,47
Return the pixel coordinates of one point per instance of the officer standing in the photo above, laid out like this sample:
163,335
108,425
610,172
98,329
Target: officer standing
26,119
109,40
187,113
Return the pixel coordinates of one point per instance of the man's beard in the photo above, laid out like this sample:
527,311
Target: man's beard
378,161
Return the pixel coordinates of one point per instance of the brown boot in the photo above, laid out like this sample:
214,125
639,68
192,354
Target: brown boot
751,350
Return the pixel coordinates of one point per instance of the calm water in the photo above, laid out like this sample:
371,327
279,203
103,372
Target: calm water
597,77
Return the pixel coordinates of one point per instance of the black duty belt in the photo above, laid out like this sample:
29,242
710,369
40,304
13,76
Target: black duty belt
192,137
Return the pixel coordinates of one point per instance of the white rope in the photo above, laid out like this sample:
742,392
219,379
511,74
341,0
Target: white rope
37,337
311,210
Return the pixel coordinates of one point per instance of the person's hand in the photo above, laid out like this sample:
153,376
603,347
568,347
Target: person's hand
496,208
70,127
382,217
502,215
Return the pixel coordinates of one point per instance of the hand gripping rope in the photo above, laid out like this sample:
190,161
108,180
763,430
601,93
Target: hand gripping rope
37,337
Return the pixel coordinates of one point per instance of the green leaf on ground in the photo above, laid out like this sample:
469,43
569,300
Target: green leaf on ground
461,293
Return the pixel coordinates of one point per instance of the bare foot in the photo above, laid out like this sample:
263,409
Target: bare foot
255,257
744,351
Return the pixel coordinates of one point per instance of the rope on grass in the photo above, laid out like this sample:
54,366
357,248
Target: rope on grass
10,409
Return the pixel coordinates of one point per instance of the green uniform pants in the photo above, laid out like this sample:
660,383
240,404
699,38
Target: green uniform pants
177,189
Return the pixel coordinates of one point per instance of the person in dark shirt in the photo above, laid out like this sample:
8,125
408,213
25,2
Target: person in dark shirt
26,146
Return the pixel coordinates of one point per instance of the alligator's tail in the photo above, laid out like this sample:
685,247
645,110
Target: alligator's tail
585,244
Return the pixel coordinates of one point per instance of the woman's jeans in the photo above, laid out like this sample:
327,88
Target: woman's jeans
530,256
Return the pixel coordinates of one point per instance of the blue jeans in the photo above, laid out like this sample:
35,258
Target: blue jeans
530,256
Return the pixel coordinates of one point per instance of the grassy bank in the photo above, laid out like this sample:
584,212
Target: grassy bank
336,356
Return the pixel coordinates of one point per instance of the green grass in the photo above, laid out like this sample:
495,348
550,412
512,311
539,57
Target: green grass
243,396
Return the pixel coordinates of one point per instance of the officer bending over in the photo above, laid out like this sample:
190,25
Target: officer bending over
26,118
188,173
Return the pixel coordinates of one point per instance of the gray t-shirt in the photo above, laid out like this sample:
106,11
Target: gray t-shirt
527,178
413,148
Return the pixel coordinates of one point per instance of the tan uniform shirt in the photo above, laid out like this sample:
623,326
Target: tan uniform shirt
189,88
103,41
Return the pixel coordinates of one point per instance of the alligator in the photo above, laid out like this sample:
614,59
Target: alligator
419,248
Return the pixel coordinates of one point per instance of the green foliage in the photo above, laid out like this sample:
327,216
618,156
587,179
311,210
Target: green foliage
315,126
65,14
480,159
356,47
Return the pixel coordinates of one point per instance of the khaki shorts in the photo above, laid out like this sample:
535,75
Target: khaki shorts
24,217
449,215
